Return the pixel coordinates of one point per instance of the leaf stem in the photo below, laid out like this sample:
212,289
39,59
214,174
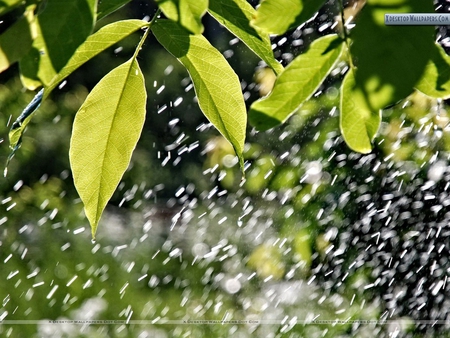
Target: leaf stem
345,33
147,31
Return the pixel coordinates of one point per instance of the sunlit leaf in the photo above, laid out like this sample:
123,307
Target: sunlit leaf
61,27
94,44
105,132
10,50
216,85
359,123
390,60
7,5
277,16
435,81
188,13
235,15
106,7
297,83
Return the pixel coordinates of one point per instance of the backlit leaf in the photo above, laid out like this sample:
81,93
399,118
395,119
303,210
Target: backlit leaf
235,15
61,27
359,123
7,5
390,60
105,132
188,13
217,86
106,7
435,81
277,16
297,83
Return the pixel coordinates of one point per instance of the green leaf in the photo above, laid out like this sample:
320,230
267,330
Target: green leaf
106,7
8,5
10,50
235,15
297,83
358,122
390,60
435,81
216,84
188,13
94,44
105,132
104,38
278,16
61,27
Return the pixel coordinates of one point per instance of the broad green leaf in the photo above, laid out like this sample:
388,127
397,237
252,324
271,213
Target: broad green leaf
10,50
359,123
106,7
188,13
390,60
105,132
235,15
277,16
61,27
216,84
297,83
7,5
435,81
94,44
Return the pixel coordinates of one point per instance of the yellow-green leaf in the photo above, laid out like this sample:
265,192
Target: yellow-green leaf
235,15
188,13
435,81
297,83
61,27
7,5
106,7
359,123
277,16
105,132
216,84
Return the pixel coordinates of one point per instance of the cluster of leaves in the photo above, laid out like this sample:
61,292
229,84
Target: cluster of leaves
109,123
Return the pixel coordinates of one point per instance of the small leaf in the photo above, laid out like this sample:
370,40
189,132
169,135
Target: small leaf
94,45
188,13
301,78
390,60
61,27
435,81
358,122
10,50
105,132
235,15
278,16
216,84
106,7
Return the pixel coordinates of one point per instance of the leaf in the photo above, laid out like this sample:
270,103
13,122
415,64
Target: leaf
358,122
278,16
235,15
105,132
188,13
8,5
301,78
106,7
94,44
62,26
390,60
10,50
216,84
435,81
